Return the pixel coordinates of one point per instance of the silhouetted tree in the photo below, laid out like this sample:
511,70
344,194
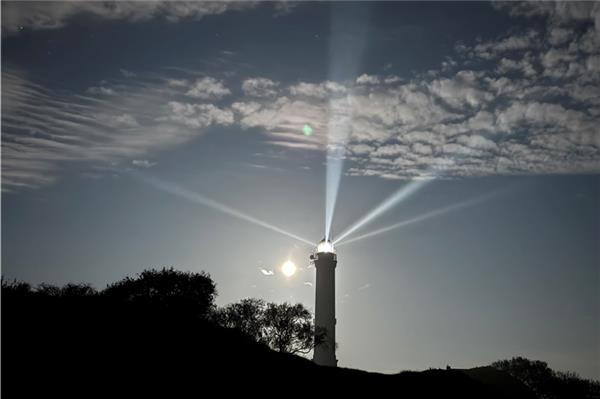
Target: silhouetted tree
167,289
284,327
289,328
70,290
547,383
245,316
15,288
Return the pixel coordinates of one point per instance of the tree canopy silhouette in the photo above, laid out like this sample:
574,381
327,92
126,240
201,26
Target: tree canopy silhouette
167,289
283,327
547,383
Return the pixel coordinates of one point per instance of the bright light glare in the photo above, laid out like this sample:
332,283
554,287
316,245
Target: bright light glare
176,190
422,217
403,193
288,268
325,246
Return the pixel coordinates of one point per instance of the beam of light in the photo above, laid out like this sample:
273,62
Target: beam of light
422,217
181,192
401,194
335,165
349,29
339,128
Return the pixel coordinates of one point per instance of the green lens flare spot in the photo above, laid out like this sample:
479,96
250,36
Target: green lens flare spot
307,130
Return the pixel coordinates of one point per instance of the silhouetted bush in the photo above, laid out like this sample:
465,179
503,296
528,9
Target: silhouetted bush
289,328
167,290
547,383
70,290
245,316
283,327
15,288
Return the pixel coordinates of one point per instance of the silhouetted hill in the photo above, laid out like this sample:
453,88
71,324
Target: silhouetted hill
83,346
503,383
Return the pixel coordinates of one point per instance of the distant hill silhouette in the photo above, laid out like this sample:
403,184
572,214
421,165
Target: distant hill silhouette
76,342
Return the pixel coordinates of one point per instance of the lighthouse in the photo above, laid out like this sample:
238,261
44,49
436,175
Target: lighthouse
325,260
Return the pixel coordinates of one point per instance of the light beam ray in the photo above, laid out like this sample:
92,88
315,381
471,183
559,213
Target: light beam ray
335,165
401,194
422,217
348,25
197,198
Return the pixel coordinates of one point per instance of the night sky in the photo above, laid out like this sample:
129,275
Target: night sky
211,136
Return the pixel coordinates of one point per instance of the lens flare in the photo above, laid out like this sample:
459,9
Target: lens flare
422,217
181,192
401,194
307,130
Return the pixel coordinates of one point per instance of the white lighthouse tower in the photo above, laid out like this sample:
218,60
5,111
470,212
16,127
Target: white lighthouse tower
325,260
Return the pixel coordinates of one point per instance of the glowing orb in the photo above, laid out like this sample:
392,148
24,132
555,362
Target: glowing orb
307,130
288,268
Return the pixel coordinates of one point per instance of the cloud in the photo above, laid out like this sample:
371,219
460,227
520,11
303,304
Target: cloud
317,90
143,163
259,87
283,118
266,272
284,7
208,88
516,42
55,15
127,74
465,88
245,108
177,82
47,131
526,102
365,79
524,66
119,121
534,112
477,142
468,123
557,13
198,115
364,287
107,91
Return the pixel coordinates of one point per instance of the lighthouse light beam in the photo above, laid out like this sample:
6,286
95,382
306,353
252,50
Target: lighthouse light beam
420,218
398,196
197,198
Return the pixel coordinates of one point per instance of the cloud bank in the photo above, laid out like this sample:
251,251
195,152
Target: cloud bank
17,16
525,103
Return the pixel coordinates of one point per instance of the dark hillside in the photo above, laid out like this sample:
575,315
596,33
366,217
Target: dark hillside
91,345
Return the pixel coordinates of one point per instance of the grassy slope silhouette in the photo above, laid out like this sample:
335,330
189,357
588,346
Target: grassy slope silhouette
93,344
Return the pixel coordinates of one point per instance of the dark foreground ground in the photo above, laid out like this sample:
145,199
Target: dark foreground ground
52,347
